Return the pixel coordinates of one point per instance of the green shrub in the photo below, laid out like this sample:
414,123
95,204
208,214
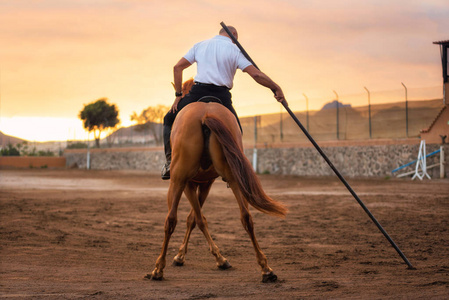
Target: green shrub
77,145
45,153
10,150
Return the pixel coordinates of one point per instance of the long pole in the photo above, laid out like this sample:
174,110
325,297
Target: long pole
369,111
329,162
342,179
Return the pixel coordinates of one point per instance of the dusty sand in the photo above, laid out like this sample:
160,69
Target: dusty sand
70,234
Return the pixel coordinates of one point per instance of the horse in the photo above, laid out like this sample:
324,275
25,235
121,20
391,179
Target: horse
206,144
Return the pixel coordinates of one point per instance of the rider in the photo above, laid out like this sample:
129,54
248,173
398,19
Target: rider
217,61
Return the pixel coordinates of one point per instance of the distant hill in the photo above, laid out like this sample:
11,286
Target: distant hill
333,104
5,140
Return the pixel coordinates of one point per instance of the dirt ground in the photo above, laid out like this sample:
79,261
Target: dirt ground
74,234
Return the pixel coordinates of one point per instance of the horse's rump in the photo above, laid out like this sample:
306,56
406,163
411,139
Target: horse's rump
189,145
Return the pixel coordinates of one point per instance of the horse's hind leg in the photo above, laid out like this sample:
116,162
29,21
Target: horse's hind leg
200,220
174,195
247,221
180,258
203,192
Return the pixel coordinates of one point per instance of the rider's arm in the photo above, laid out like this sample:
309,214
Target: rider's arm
177,74
262,79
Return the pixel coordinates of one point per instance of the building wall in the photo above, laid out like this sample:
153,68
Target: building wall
350,160
439,128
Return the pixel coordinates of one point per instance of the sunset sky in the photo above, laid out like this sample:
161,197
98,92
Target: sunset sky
57,55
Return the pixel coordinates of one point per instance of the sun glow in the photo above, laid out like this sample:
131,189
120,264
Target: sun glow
64,54
42,129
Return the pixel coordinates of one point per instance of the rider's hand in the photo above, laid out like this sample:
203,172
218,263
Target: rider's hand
174,107
279,95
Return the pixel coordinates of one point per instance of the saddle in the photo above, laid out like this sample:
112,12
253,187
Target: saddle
207,99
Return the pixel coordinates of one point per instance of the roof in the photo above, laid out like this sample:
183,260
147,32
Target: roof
442,42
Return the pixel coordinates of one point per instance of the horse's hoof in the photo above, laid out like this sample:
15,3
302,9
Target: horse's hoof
270,277
178,263
225,266
155,276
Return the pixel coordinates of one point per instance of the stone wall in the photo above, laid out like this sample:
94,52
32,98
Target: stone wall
351,160
150,159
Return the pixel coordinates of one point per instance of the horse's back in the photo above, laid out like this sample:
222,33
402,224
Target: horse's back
189,121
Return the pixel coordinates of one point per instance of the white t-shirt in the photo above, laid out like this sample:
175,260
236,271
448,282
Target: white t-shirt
217,61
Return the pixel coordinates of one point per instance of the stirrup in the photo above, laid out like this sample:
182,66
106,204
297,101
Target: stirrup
165,173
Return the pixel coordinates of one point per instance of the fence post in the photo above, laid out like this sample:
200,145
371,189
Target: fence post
369,111
441,162
307,111
255,145
88,152
406,110
280,124
338,134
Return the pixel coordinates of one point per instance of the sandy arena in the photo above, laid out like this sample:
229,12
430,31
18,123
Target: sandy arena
74,234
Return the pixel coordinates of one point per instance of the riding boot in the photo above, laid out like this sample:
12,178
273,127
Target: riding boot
165,174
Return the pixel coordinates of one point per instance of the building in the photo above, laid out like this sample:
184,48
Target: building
438,131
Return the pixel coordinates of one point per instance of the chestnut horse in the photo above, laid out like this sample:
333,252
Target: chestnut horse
207,143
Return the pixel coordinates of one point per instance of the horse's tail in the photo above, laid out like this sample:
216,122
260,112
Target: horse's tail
242,170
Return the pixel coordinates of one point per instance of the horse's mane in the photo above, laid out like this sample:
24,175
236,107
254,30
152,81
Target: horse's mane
186,86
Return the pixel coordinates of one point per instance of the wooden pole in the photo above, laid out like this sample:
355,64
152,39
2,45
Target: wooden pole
328,161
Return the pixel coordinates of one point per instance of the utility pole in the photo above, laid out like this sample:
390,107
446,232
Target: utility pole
280,123
307,110
369,112
338,135
406,110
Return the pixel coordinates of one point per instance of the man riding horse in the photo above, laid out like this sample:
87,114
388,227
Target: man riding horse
217,61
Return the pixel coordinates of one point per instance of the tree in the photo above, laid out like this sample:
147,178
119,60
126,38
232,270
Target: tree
10,151
149,119
99,116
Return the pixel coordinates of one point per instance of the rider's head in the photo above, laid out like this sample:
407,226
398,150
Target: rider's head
232,30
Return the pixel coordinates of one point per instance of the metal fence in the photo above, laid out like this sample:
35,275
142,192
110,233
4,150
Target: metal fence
384,121
393,114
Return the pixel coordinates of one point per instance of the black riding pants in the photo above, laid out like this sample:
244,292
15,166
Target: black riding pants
197,92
